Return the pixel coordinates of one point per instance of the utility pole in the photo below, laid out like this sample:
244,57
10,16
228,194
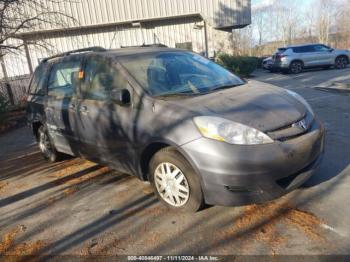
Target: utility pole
206,39
29,61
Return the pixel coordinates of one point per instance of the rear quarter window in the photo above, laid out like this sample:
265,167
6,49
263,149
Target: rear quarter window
37,84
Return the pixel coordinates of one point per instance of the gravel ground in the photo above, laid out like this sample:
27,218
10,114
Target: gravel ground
78,207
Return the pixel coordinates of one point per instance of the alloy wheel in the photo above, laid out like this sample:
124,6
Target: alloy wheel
341,62
171,184
296,67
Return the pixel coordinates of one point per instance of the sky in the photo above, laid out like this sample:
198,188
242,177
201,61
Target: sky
302,3
266,3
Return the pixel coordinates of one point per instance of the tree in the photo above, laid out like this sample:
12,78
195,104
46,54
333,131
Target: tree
260,23
325,11
21,15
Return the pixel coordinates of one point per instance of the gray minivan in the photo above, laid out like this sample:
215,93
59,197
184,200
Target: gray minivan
197,132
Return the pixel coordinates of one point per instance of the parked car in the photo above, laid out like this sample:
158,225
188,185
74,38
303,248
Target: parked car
294,59
267,63
197,132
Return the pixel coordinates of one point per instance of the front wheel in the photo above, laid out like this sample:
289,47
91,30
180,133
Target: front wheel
341,62
46,146
175,181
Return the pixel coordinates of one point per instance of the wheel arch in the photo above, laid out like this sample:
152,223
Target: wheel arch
152,148
343,55
297,60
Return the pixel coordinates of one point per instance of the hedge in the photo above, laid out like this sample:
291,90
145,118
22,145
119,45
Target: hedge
4,108
240,65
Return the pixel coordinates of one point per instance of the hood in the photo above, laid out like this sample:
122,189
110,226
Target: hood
342,51
258,105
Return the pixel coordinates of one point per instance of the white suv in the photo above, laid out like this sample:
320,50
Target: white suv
294,59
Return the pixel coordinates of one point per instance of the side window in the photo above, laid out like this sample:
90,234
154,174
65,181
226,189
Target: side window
297,50
321,48
37,85
303,49
101,76
309,49
63,79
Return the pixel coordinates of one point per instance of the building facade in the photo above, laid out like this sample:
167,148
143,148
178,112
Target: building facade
192,24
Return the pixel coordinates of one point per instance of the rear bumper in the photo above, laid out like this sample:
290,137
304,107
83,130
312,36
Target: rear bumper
238,175
280,65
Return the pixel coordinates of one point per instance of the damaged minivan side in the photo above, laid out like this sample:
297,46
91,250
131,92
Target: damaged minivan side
195,131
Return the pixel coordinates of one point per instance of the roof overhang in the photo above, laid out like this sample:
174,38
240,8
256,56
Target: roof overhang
105,27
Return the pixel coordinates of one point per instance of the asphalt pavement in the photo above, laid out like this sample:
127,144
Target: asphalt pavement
77,207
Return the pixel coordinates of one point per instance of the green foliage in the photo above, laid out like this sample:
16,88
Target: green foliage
4,108
240,65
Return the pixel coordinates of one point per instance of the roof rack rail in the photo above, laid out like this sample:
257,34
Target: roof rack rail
88,49
146,45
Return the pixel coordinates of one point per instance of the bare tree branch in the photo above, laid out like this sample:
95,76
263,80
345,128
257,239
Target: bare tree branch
18,16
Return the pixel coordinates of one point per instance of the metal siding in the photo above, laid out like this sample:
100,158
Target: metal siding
87,12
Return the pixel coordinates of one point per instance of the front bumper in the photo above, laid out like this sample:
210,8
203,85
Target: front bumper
233,175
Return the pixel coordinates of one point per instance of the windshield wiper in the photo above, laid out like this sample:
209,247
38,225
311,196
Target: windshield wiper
180,94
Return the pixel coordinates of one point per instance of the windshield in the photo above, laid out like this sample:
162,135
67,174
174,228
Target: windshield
174,73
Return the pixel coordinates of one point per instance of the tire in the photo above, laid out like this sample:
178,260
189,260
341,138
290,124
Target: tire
47,147
296,67
172,192
341,62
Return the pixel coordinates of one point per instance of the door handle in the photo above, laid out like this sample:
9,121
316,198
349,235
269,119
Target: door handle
84,110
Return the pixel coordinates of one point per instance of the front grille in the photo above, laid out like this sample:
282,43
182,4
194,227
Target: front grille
292,130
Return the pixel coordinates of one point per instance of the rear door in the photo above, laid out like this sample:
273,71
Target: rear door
306,54
103,125
61,109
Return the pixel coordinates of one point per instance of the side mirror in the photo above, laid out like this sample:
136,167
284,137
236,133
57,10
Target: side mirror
331,50
121,97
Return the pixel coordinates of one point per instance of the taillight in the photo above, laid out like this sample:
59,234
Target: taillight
280,56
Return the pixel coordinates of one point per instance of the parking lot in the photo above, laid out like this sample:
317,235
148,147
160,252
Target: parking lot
78,207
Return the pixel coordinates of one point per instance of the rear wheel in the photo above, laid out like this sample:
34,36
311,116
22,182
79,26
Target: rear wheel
296,67
46,146
175,181
341,62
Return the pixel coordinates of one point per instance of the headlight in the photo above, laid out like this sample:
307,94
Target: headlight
301,100
231,132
